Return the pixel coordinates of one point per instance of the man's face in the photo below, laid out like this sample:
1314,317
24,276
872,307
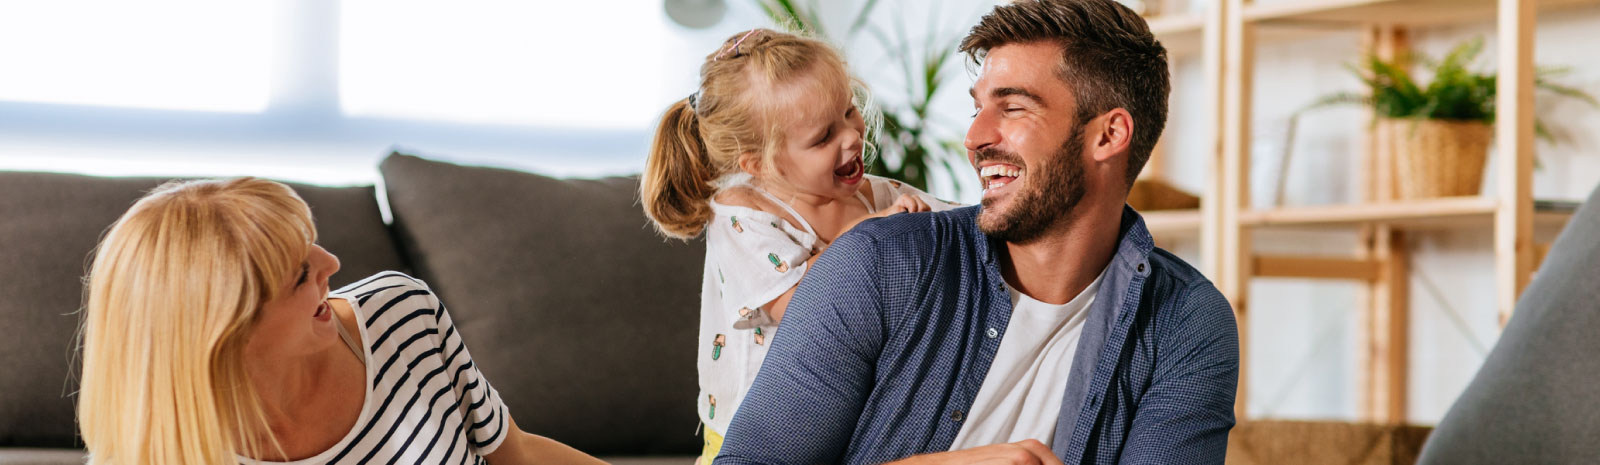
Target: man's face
1025,142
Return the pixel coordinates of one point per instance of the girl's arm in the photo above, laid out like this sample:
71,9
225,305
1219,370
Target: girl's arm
522,447
775,309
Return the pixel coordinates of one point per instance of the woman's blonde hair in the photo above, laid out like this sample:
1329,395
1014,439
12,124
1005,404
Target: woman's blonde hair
173,295
702,137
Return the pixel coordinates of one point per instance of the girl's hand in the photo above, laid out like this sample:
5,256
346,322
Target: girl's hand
906,203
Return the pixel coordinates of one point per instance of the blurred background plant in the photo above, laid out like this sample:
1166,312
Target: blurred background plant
908,146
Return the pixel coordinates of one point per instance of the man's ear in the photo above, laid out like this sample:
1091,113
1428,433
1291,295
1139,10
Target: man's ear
1112,134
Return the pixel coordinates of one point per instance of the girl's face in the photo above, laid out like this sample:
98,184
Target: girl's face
299,321
823,132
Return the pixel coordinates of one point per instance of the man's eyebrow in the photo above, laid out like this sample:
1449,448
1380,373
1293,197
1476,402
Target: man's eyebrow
1007,92
1017,91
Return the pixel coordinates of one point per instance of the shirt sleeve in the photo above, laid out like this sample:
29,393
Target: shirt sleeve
813,385
485,418
759,257
1189,405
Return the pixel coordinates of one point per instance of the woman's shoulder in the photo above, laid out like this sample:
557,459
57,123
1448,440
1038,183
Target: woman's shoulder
375,296
387,281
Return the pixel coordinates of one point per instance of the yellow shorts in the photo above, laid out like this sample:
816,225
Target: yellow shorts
713,446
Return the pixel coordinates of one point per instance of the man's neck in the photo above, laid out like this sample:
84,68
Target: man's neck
1063,262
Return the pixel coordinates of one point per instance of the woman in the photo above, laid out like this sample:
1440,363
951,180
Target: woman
210,337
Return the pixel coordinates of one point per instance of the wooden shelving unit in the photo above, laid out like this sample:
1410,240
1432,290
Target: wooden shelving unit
1226,223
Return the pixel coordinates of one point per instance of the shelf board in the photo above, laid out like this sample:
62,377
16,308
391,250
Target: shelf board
1398,12
1180,33
1443,213
1170,223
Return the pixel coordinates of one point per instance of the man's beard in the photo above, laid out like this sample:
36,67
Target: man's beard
1053,191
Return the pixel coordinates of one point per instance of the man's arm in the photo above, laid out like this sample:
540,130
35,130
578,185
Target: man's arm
816,377
1185,415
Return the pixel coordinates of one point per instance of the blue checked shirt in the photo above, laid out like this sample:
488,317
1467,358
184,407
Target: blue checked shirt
890,335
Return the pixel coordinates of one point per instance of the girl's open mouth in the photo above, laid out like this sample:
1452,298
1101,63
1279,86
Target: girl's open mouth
851,172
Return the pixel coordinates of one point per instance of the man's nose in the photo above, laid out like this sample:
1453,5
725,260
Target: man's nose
983,133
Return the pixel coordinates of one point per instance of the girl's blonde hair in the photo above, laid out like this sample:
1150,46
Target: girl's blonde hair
702,137
173,295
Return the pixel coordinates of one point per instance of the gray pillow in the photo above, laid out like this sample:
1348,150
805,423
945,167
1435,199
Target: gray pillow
50,224
575,310
1537,397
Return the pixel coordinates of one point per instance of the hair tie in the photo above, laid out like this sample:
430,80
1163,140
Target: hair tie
694,103
735,46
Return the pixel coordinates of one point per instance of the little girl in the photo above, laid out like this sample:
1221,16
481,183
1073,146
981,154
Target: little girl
766,160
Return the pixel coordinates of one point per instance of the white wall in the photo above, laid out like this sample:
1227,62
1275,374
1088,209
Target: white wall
1304,334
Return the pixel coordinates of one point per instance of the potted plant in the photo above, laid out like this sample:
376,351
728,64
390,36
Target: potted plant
905,147
1441,131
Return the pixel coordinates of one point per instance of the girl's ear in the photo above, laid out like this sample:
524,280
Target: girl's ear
750,163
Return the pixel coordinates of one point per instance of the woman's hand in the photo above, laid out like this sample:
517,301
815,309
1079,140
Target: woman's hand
521,447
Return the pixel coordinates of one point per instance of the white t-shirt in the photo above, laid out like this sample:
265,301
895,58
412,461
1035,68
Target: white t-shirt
1021,395
752,257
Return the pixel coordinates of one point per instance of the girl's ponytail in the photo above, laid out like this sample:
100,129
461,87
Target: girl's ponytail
676,187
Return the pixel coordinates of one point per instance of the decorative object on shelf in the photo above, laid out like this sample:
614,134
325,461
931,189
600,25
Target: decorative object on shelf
1142,7
904,146
1155,194
1441,132
696,14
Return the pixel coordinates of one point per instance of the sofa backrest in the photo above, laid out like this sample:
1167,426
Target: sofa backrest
50,223
579,314
1534,398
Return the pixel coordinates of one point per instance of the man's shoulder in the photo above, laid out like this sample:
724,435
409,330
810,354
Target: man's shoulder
1186,288
918,228
902,249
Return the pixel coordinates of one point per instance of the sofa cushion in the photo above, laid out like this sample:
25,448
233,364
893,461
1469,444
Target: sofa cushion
576,311
1533,401
51,222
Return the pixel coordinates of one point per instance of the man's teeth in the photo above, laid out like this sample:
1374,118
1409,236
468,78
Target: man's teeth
1000,170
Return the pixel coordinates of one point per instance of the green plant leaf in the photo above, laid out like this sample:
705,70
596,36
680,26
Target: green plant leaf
861,18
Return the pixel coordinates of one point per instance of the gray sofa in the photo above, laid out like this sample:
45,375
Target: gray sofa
1536,398
579,314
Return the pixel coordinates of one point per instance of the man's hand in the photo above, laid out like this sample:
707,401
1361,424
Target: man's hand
1025,452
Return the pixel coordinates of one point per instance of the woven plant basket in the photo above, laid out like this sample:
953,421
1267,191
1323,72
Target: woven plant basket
1155,194
1438,158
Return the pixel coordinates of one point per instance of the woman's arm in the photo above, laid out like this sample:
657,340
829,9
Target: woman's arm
523,447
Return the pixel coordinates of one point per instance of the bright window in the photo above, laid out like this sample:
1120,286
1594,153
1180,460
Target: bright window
203,55
560,64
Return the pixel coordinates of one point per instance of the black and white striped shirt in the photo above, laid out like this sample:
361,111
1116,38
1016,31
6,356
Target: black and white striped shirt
426,401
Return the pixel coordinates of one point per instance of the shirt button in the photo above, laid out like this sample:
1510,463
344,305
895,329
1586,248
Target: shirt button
992,333
1141,267
955,415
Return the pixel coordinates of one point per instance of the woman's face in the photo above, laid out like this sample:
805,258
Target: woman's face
822,139
299,321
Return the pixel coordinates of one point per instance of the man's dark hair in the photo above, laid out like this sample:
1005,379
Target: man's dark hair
1109,59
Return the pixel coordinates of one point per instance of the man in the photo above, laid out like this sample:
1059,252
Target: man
1041,327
